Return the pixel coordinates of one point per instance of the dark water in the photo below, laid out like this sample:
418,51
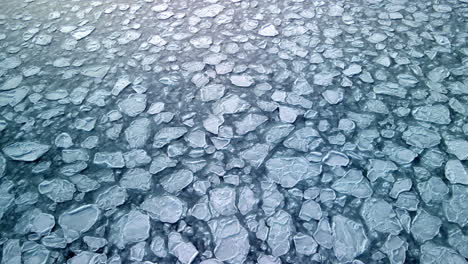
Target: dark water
233,131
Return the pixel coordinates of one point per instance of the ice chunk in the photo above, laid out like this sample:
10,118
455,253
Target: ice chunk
401,185
177,181
458,147
256,154
249,123
353,183
63,140
58,190
167,134
165,208
421,137
456,208
83,32
11,252
242,80
399,154
379,216
246,200
111,197
377,37
94,243
87,257
425,226
138,133
184,251
268,259
157,41
305,244
110,159
230,104
201,42
433,190
435,254
323,234
158,246
2,165
438,74
352,70
34,253
133,105
209,11
381,169
120,84
304,139
137,179
212,92
136,158
231,240
196,139
128,36
76,221
288,171
392,89
408,201
95,71
349,238
26,150
10,63
223,200
211,261
334,96
74,155
335,158
268,30
280,233
438,114
11,83
42,223
131,228
13,97
395,248
310,209
458,241
160,163
277,133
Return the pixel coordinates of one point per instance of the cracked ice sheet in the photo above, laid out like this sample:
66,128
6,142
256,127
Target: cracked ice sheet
233,131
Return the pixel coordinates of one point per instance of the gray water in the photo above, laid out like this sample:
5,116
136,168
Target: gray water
233,131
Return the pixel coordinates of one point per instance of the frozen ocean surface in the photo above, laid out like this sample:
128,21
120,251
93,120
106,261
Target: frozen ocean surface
233,131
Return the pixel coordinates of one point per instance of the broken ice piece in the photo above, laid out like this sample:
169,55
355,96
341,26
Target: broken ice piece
438,114
334,96
279,235
26,150
166,208
349,238
95,71
288,171
268,30
167,134
455,172
177,180
209,11
184,251
242,80
458,147
425,226
76,221
335,158
231,240
353,183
